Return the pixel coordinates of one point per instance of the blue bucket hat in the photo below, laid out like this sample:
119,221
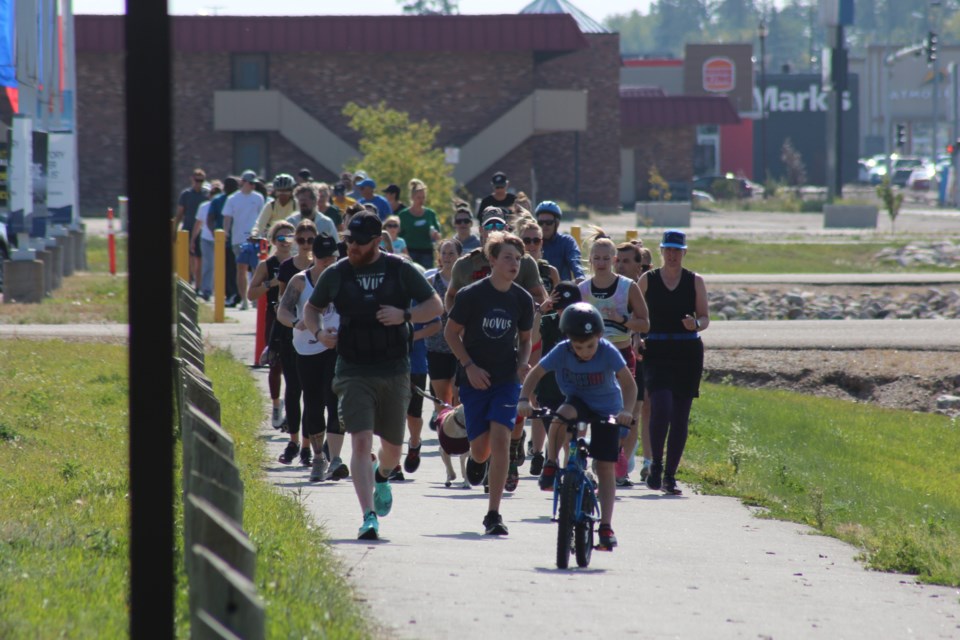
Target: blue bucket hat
674,239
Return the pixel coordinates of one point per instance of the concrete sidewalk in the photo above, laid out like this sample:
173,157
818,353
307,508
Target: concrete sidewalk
688,567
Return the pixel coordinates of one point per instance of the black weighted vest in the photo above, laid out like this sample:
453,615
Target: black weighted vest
362,338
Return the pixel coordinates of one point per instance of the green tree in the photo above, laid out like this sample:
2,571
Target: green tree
430,7
394,150
636,31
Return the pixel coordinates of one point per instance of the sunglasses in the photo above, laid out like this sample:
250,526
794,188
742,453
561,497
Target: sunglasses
353,240
302,240
199,178
282,239
533,241
546,223
462,221
392,225
494,226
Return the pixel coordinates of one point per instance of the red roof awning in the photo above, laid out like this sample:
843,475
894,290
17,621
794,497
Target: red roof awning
676,111
367,34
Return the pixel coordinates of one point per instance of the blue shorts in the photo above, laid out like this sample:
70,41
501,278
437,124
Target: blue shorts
247,253
496,404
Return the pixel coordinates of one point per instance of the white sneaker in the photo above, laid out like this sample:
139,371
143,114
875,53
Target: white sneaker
244,305
277,418
318,472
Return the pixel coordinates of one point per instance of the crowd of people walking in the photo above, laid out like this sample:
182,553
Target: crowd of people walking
372,305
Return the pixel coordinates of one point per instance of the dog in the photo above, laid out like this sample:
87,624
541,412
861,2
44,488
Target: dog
452,432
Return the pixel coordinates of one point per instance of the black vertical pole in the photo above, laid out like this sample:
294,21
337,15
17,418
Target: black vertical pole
150,185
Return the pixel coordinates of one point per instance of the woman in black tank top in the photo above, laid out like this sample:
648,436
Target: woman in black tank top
265,282
673,359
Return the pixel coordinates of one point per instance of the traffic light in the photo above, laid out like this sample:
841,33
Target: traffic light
901,135
930,46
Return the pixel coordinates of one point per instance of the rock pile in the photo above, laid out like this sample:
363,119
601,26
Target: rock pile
942,253
795,304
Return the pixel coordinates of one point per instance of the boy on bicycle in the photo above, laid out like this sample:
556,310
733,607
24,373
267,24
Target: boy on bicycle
597,384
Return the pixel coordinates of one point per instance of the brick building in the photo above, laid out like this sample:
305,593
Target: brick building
532,95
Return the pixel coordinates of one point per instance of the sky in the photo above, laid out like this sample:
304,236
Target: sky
596,9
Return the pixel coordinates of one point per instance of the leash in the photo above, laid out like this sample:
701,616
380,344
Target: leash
432,398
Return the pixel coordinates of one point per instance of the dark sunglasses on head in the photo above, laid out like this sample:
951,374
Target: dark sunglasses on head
392,225
463,221
546,222
302,240
532,240
494,226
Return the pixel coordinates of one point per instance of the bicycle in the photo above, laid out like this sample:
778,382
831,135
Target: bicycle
575,506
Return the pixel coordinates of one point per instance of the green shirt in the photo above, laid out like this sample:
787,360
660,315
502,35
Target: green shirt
415,286
334,214
473,266
416,229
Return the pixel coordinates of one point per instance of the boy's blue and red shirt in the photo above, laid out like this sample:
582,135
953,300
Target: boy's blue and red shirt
593,381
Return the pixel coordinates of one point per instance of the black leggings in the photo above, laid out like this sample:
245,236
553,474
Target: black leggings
291,393
669,413
316,377
273,378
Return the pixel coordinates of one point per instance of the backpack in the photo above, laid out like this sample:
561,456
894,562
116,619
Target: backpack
215,213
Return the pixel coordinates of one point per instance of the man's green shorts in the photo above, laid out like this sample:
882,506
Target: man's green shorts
374,402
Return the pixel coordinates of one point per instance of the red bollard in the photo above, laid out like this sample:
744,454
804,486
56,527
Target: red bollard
261,341
111,243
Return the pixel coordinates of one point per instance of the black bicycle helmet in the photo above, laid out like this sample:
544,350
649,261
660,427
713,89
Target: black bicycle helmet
581,320
283,181
549,206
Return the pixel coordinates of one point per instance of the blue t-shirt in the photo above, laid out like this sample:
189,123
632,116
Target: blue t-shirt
594,381
382,205
418,352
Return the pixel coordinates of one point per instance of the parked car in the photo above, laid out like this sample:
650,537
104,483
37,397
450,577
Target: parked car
721,187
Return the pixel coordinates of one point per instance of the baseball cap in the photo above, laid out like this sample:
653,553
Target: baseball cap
339,189
567,293
364,227
367,182
392,188
492,213
324,245
674,239
305,174
360,174
248,176
499,178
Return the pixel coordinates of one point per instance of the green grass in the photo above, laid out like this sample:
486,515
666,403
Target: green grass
715,255
887,481
98,259
63,490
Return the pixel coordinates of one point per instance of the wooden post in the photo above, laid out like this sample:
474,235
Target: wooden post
199,427
632,234
575,232
183,254
226,594
207,460
208,526
228,500
203,626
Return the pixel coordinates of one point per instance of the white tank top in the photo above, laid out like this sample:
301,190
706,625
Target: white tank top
303,341
613,307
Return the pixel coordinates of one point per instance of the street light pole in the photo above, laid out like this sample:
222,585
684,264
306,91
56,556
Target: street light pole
762,33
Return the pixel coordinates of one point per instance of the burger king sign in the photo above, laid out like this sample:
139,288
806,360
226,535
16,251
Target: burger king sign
719,75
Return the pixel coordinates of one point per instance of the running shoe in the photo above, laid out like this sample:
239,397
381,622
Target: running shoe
318,472
513,478
608,540
625,482
548,476
370,529
306,456
530,447
536,463
244,305
277,417
293,448
655,479
621,467
337,470
396,475
493,525
412,462
326,450
645,470
382,495
476,471
670,486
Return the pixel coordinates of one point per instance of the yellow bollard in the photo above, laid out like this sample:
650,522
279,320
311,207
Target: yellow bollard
575,232
632,234
219,274
183,254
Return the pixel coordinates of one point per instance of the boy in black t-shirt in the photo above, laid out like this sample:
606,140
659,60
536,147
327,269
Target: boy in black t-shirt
488,331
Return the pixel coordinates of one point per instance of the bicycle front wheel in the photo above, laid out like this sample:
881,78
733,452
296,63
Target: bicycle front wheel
568,507
583,542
